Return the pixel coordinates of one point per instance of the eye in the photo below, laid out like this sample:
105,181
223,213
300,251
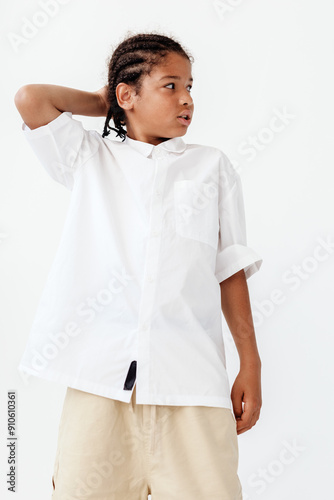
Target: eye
174,85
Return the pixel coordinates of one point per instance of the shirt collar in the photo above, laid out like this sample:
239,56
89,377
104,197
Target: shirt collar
174,145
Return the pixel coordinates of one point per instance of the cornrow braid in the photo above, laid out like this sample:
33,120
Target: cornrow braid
132,59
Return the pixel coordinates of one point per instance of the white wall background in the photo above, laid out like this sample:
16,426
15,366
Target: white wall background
254,60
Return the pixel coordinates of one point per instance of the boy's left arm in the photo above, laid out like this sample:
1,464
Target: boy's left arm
247,385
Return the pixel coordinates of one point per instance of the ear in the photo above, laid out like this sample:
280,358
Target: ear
124,94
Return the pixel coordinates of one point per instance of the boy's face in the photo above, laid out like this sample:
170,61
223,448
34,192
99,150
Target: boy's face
153,116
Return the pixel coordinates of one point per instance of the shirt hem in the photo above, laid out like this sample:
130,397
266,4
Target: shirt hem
125,396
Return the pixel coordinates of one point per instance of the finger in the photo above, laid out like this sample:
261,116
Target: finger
244,425
248,417
237,405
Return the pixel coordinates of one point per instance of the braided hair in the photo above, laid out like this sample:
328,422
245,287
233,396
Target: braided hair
134,58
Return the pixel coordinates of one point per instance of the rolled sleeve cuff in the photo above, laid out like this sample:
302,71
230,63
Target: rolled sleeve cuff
234,258
52,126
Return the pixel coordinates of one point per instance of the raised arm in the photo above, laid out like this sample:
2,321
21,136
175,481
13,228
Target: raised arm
39,104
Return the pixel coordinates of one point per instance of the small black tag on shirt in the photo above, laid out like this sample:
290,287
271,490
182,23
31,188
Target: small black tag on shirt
131,376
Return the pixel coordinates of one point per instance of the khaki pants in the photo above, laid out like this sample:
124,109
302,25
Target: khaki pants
111,450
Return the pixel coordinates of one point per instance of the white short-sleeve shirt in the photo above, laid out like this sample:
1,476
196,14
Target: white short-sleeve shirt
133,295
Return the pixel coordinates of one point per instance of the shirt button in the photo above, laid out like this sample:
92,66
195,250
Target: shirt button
145,326
158,193
150,277
156,232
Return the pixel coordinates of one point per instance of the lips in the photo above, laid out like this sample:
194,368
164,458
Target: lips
186,113
184,121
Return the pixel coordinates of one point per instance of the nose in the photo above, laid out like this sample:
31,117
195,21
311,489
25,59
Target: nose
186,98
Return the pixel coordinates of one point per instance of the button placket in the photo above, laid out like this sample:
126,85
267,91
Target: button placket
146,309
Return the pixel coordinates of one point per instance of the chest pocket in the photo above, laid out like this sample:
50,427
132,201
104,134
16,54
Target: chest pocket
196,211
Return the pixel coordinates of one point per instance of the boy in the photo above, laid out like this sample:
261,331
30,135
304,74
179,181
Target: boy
130,318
